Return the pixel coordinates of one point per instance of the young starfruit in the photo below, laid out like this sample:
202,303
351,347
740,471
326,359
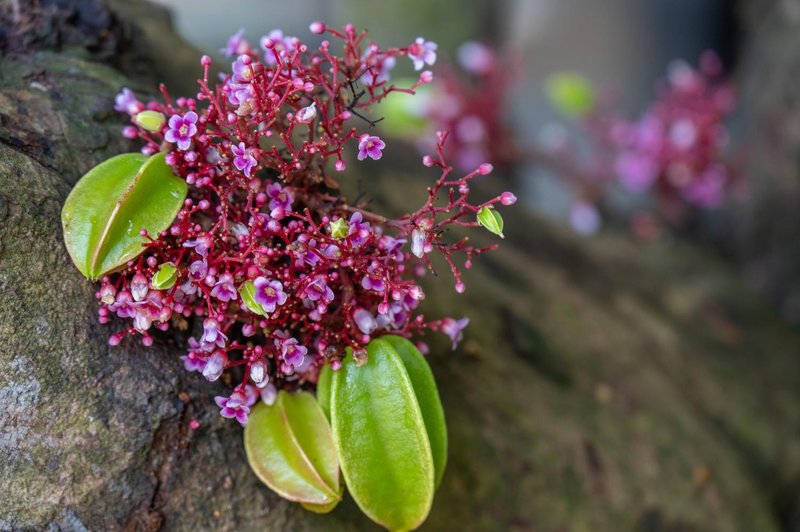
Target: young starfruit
105,212
389,429
290,448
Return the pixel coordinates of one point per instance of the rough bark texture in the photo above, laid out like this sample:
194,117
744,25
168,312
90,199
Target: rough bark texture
602,385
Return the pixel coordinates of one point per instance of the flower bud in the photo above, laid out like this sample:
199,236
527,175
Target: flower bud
139,287
306,115
258,373
150,120
507,198
491,220
485,169
165,277
317,28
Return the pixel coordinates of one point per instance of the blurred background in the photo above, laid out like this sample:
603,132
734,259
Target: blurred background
618,373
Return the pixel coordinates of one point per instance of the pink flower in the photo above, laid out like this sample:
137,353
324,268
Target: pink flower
269,294
181,130
422,52
126,102
280,198
243,158
370,146
359,231
234,406
236,44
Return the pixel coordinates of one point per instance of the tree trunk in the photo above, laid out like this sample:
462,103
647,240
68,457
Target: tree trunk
602,385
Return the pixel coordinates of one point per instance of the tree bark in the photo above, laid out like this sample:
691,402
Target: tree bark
603,385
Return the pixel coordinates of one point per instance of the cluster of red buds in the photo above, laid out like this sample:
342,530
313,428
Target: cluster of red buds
673,153
284,274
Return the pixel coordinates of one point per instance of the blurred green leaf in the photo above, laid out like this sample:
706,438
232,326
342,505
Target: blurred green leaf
571,93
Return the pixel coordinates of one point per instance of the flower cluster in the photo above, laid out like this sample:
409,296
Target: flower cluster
281,271
673,152
469,102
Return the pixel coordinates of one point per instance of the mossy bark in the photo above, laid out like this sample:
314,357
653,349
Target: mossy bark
602,385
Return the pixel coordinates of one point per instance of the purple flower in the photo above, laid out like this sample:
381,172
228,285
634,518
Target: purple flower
370,146
224,289
365,321
318,290
359,231
372,281
212,336
422,52
707,190
234,406
243,158
280,198
454,329
181,130
194,361
201,245
198,270
242,70
215,365
392,246
269,294
126,102
637,171
279,43
236,44
293,353
331,252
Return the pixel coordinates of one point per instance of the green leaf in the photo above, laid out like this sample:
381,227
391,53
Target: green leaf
165,277
428,398
248,294
108,207
491,220
290,448
380,434
571,93
324,384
